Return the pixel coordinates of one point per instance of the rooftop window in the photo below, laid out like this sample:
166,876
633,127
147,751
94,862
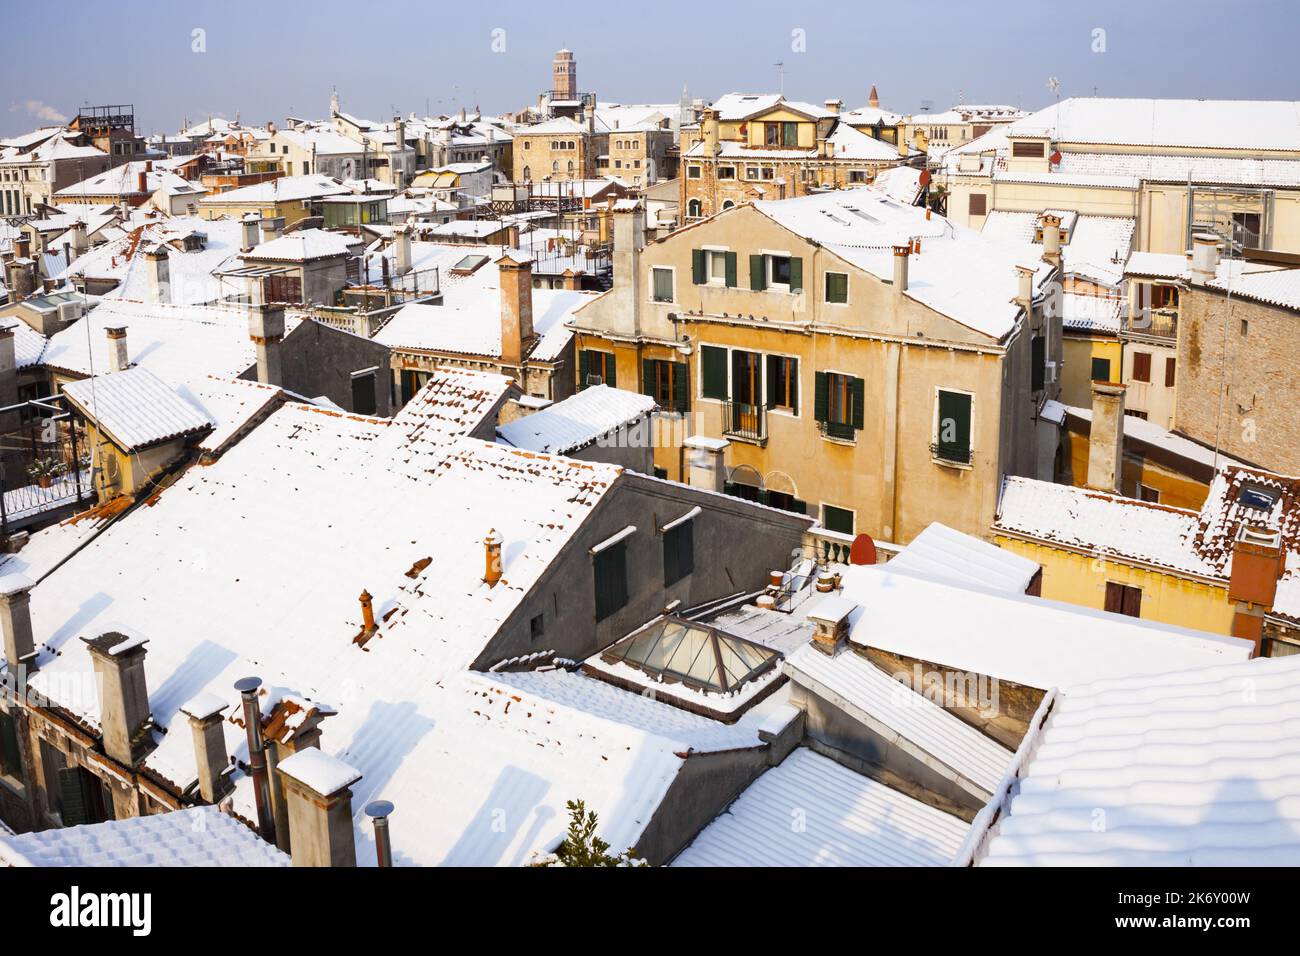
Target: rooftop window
1253,496
681,651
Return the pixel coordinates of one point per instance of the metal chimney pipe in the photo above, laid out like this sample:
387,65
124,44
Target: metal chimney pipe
248,688
379,811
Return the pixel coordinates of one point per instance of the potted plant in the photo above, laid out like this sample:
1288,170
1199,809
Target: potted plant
44,470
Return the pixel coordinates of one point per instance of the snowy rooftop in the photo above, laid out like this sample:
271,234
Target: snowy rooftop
136,409
124,180
943,554
303,246
284,189
850,820
1095,247
1187,768
1280,288
577,421
199,836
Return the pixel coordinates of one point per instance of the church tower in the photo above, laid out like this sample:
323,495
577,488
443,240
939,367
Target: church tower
564,70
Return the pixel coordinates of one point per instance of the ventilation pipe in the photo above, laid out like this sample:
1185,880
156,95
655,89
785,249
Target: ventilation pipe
900,268
379,811
248,688
492,553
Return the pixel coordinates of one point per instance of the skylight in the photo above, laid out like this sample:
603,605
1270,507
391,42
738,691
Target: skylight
683,651
1256,497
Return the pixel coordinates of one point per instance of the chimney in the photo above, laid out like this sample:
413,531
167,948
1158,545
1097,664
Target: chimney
159,274
16,621
492,553
1025,289
117,356
709,130
379,811
207,726
512,235
834,106
8,366
21,274
123,698
1052,238
1257,564
629,239
900,268
831,624
318,791
1106,437
705,467
367,613
266,329
1205,255
402,250
272,228
252,710
250,232
516,308
142,182
80,239
573,279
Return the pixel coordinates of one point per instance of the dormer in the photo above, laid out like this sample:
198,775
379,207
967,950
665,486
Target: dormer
1029,154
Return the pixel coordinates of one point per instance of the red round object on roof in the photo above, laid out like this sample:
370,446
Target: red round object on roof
1055,158
863,550
925,177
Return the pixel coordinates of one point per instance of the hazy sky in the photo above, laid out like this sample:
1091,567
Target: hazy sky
270,59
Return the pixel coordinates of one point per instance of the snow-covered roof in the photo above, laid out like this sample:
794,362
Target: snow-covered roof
1091,313
303,246
1241,125
1184,768
1019,638
576,422
943,554
283,189
1149,433
1237,170
958,272
848,820
1280,288
900,182
1161,265
232,403
197,836
136,409
124,180
848,143
1094,247
323,140
915,724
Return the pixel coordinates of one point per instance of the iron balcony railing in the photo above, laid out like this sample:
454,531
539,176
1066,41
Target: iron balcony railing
951,453
1153,323
742,420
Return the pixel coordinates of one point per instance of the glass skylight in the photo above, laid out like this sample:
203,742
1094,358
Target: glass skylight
693,654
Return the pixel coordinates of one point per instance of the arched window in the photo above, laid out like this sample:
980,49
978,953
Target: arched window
728,204
555,166
570,167
528,173
693,209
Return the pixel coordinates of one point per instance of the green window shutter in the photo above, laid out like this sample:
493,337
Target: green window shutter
799,507
954,426
681,389
837,519
713,362
584,368
610,374
1101,370
858,388
611,580
75,796
771,380
821,397
757,274
729,488
648,377
697,266
796,274
837,287
731,270
794,385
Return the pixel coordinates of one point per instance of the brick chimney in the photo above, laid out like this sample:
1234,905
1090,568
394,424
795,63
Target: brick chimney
8,367
834,106
1106,437
1052,238
492,555
705,465
142,182
1257,564
16,621
123,698
900,268
118,360
402,249
573,279
212,760
80,239
516,308
318,791
249,227
272,228
831,624
159,273
266,329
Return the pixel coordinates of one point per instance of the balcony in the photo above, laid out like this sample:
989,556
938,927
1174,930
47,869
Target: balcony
1160,325
745,422
948,453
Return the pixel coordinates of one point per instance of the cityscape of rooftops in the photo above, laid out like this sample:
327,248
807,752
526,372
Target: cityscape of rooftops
699,438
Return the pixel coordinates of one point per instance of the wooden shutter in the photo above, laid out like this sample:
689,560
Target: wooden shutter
713,362
1132,601
1037,363
679,552
979,204
858,389
697,266
954,444
584,368
1169,372
731,270
796,274
611,580
681,389
77,805
820,397
609,369
773,372
9,758
1141,366
757,273
648,377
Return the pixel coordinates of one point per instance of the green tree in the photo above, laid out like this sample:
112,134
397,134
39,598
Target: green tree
581,847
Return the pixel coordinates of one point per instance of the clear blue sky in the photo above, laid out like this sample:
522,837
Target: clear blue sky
270,59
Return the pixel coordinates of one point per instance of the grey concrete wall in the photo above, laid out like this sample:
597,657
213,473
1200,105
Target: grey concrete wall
631,447
318,360
736,544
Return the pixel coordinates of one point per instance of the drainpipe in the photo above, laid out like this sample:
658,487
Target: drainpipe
379,812
248,688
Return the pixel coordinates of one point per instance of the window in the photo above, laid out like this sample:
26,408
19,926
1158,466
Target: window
363,392
1146,493
1027,150
726,172
1245,229
693,209
596,368
1169,372
771,134
952,441
1123,599
1037,363
838,403
1245,327
751,172
10,762
661,282
679,552
837,519
979,204
789,134
746,377
783,383
1101,370
837,288
1142,366
528,144
783,272
610,568
536,627
692,172
713,372
713,267
282,288
665,382
1163,296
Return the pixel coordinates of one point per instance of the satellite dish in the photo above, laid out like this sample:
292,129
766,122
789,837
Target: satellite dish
863,550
